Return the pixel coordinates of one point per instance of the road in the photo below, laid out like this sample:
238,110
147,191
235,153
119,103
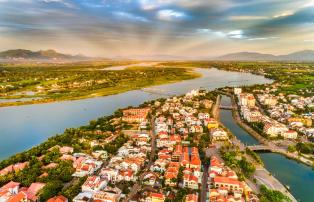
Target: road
204,187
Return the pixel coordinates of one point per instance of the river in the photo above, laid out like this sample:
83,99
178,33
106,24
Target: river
22,127
299,177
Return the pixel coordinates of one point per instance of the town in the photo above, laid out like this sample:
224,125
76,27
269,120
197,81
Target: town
170,149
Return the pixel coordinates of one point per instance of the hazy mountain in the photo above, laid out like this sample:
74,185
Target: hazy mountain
22,54
306,55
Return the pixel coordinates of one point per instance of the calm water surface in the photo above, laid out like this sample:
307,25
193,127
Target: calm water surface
298,176
22,127
229,122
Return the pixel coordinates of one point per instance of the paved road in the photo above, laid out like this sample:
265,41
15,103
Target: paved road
204,187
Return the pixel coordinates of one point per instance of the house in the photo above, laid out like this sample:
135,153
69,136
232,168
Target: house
218,134
177,153
16,167
305,121
185,160
171,173
237,91
33,190
50,166
100,154
137,115
290,134
93,184
191,198
20,197
212,123
150,178
59,198
126,175
247,99
106,196
156,197
66,150
274,129
83,197
8,190
190,181
228,183
195,162
87,167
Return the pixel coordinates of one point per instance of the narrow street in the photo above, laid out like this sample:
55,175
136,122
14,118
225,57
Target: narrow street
204,188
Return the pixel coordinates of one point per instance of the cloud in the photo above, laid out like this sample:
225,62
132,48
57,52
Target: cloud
236,34
130,16
284,14
248,17
261,38
64,2
170,15
309,40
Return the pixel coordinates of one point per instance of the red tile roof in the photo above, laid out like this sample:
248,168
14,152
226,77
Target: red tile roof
58,199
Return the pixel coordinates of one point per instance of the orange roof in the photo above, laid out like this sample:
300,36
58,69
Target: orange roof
58,199
174,164
192,197
157,195
226,180
21,196
195,160
171,175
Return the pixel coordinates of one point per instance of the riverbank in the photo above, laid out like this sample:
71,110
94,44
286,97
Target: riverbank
186,74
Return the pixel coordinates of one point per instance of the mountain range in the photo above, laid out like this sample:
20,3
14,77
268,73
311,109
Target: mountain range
52,55
306,55
22,54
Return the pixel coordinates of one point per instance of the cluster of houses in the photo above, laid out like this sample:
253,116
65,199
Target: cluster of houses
177,163
123,167
251,113
225,186
290,110
287,116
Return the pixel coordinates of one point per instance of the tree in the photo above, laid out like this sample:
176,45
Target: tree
51,189
268,195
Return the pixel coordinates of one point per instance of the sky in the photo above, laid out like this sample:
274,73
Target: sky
187,28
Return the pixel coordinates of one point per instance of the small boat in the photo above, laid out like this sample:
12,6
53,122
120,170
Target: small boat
287,186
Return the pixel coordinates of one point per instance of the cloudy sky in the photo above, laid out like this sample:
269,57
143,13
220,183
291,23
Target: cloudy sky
193,28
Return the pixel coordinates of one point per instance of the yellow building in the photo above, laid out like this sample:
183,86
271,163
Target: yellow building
212,124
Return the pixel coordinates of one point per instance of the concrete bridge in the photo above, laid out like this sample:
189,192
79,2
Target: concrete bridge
156,91
259,148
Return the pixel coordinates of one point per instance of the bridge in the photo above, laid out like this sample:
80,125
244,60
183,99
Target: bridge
156,91
226,107
259,148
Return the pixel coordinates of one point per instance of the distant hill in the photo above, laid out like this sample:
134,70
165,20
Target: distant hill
306,55
22,54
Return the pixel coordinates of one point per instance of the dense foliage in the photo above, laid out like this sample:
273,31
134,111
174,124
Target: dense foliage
268,195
